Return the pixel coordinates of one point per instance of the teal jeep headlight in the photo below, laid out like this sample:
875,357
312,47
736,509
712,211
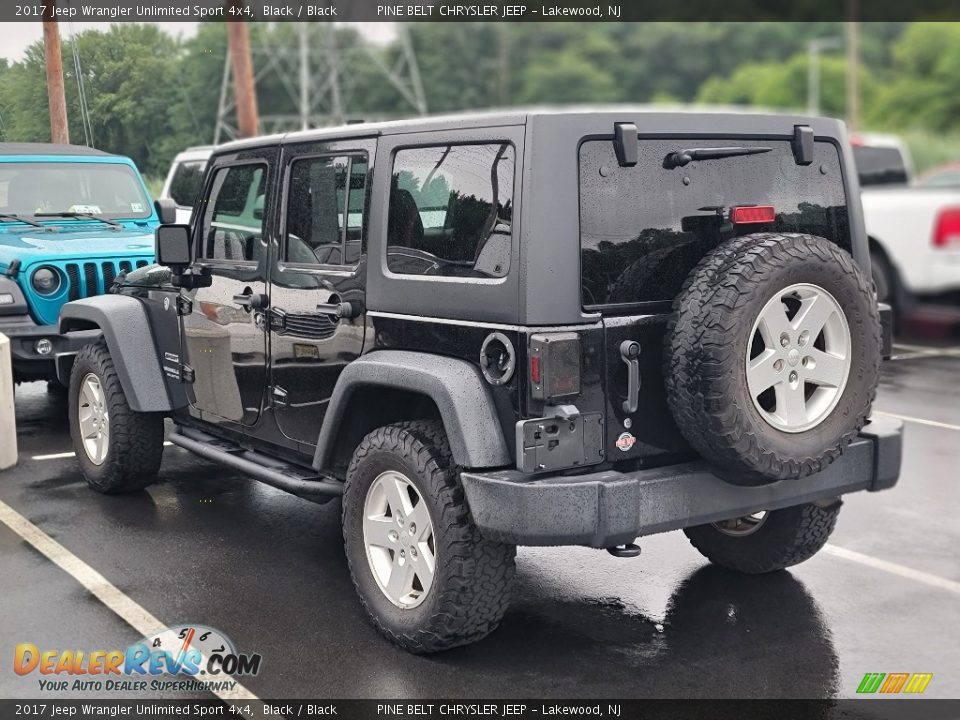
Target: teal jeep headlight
45,280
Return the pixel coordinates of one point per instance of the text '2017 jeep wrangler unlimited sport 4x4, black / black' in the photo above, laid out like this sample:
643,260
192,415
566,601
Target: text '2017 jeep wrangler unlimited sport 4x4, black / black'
570,328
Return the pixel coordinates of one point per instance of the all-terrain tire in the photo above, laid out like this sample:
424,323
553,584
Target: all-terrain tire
135,445
786,537
707,346
473,576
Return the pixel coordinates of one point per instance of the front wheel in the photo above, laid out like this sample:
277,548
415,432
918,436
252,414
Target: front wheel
119,449
766,541
426,577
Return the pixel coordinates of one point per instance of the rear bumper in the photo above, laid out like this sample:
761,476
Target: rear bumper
610,508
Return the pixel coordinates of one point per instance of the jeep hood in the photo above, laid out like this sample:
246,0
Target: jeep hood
33,246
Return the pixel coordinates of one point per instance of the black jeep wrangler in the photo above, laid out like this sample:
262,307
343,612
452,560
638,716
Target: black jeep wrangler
543,328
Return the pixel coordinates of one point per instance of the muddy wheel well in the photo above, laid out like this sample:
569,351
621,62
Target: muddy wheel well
372,407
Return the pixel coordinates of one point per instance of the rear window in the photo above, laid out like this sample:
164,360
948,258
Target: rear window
186,181
879,165
644,228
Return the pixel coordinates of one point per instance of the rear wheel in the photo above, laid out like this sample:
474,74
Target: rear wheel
119,450
766,541
426,577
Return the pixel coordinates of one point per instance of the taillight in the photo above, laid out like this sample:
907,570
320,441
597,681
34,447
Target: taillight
535,369
946,233
752,214
554,366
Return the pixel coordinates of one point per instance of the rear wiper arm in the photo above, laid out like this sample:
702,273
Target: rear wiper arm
16,218
80,216
679,158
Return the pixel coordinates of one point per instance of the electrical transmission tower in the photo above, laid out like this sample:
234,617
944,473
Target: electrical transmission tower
314,73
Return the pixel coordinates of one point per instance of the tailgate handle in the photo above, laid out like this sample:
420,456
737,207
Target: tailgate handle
629,352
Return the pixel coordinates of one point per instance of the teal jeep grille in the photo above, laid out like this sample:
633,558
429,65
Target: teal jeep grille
96,277
82,279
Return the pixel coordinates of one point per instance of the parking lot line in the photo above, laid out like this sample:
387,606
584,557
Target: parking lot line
60,456
122,605
928,350
893,568
919,421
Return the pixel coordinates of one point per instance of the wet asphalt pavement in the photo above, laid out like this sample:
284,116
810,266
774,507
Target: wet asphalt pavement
207,546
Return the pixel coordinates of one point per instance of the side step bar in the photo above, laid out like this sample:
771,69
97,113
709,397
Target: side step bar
270,471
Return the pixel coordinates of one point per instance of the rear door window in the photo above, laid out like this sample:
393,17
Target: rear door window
325,209
644,228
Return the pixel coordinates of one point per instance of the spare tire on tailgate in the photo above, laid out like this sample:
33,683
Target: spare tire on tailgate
773,356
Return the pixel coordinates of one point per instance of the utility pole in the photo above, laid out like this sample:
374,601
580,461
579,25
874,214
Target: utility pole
59,129
238,39
814,48
853,71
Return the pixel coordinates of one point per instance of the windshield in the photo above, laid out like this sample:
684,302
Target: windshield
110,190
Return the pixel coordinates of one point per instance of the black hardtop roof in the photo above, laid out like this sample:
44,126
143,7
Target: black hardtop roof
518,116
29,148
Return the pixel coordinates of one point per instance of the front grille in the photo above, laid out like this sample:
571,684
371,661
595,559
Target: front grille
109,274
92,278
73,280
314,327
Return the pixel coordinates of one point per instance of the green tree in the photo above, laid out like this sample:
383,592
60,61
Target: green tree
783,85
924,90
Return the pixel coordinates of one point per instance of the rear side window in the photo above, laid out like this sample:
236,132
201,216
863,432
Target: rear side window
644,228
186,180
325,207
233,219
451,211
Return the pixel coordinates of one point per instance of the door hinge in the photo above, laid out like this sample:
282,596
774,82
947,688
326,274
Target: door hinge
279,395
187,374
184,305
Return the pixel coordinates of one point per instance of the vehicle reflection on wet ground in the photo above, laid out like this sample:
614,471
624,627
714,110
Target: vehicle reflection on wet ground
207,546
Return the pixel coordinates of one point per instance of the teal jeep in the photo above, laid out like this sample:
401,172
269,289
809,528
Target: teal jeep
72,220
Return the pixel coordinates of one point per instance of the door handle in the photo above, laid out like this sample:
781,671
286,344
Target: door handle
249,300
339,310
629,352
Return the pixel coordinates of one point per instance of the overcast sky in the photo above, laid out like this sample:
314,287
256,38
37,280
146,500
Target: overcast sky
15,38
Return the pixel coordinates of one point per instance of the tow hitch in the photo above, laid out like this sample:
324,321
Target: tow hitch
629,550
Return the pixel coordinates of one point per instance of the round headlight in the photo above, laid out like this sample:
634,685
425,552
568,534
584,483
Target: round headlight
46,280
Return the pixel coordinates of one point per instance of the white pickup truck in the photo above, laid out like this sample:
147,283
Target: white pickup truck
914,231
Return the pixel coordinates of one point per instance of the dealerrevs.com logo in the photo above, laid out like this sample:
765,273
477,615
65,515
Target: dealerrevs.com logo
893,683
185,658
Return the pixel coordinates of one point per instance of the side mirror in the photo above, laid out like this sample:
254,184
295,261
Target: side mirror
167,210
172,245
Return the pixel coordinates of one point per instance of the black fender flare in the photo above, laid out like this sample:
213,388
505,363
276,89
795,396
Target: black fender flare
126,328
455,386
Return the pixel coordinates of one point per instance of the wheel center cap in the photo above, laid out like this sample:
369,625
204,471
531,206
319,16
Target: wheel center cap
793,357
